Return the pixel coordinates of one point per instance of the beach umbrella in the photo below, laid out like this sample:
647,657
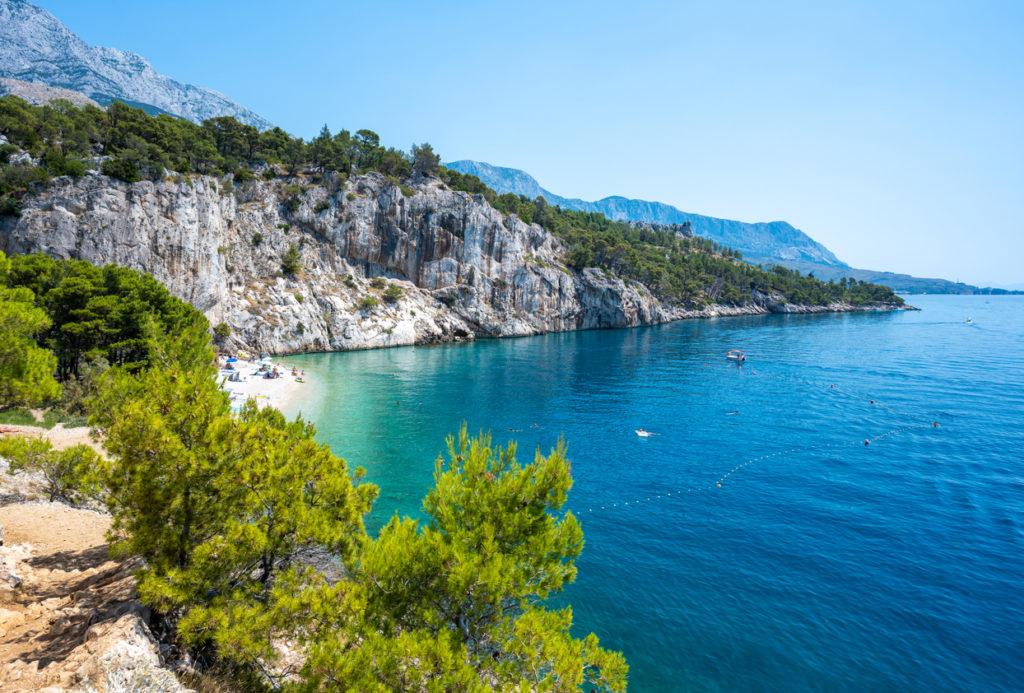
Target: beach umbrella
231,360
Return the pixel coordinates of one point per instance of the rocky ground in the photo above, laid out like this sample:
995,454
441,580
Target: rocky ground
69,617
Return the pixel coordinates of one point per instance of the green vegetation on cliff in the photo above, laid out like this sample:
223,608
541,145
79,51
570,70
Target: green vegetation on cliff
675,265
131,145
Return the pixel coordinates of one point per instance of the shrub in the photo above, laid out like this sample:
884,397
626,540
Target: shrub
65,471
269,174
367,302
378,282
9,207
6,150
321,206
448,299
349,281
257,238
406,190
393,293
299,297
121,169
290,263
292,204
59,165
222,330
243,175
350,196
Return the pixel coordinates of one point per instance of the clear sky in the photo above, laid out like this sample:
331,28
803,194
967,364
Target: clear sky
892,132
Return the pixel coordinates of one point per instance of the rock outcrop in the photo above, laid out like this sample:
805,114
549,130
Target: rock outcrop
40,94
464,269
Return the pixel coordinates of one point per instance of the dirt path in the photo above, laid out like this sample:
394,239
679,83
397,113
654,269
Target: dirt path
74,616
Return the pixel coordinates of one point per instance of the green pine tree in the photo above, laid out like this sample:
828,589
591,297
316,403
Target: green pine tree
456,605
26,370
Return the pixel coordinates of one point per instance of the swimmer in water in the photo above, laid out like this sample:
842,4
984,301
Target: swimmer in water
733,413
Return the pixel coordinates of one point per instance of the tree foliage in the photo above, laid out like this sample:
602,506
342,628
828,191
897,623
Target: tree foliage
94,313
26,369
67,473
291,261
219,506
457,604
424,161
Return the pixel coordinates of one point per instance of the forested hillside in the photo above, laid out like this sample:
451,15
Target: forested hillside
129,145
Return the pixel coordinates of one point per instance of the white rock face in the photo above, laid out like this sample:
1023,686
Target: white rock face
465,269
36,47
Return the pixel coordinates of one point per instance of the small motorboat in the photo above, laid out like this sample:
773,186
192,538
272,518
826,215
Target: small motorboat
736,355
644,434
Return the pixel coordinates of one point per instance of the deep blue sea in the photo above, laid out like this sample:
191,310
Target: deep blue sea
821,563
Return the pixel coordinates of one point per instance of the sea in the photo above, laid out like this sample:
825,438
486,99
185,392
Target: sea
842,511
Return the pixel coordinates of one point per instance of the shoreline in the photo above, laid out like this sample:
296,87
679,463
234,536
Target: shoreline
281,392
715,310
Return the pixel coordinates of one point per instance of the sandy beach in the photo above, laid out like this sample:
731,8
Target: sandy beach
274,392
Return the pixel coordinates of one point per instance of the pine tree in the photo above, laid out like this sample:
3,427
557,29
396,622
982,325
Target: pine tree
220,507
457,604
26,370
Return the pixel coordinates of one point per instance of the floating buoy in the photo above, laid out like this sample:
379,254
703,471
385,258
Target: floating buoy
719,486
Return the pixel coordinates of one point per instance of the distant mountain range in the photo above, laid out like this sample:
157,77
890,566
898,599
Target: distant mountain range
765,243
35,47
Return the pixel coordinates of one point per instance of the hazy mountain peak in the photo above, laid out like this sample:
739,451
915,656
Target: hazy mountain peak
36,47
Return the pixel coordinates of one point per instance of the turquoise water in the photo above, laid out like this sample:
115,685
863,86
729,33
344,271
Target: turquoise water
897,566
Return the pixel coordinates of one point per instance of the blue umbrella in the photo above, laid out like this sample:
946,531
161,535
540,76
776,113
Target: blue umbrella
231,360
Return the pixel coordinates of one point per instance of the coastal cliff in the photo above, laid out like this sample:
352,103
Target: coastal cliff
465,270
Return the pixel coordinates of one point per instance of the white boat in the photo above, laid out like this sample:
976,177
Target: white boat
736,355
644,434
970,321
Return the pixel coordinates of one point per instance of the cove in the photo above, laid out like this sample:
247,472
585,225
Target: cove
893,566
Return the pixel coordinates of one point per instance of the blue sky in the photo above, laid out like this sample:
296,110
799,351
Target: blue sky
892,132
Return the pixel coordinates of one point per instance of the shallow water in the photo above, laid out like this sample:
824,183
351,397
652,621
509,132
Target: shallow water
843,567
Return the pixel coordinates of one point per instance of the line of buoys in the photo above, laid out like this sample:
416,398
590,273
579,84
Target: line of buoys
867,442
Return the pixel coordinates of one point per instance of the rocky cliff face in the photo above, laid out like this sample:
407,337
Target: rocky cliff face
465,269
36,47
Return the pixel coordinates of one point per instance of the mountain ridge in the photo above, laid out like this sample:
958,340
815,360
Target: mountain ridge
762,243
36,47
758,241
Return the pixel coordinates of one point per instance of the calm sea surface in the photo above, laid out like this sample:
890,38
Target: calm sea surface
897,566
